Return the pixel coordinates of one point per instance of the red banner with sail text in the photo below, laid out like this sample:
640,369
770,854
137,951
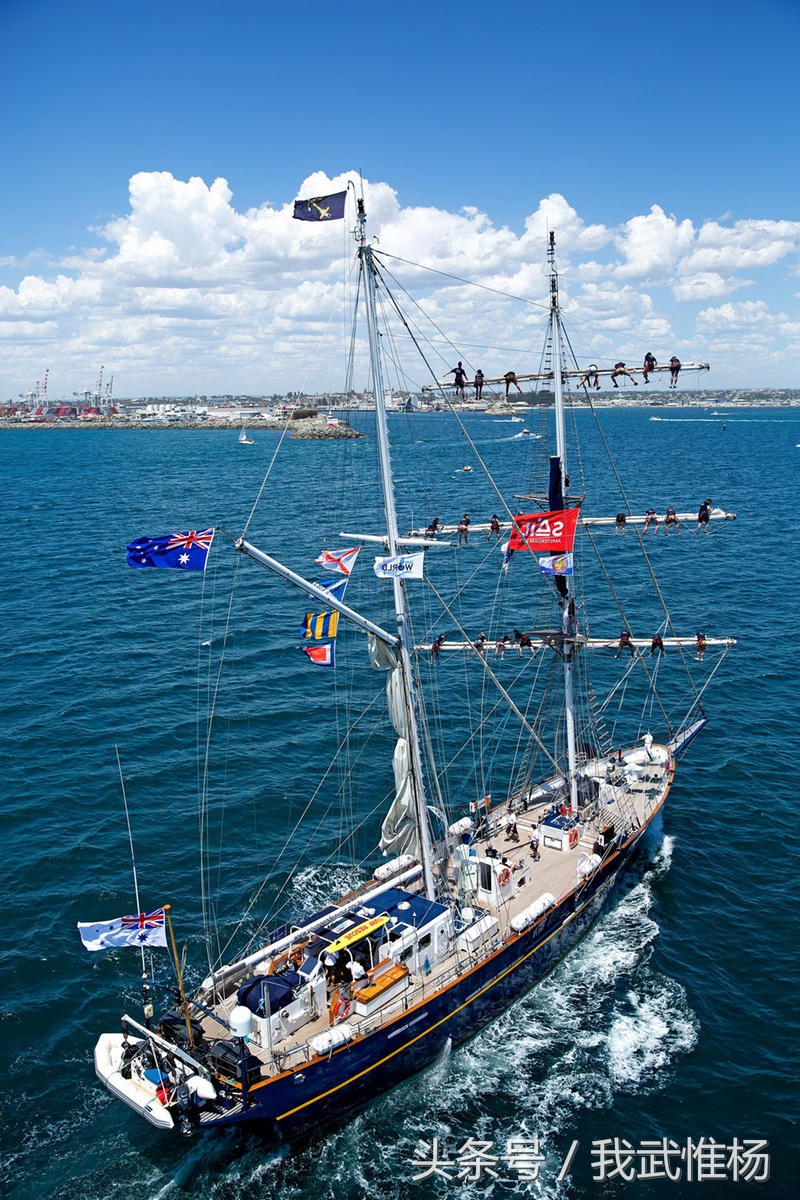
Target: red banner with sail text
550,532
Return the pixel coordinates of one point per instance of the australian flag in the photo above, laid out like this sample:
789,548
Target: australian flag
320,208
182,551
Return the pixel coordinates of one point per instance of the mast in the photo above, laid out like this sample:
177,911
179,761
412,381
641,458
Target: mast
400,602
568,602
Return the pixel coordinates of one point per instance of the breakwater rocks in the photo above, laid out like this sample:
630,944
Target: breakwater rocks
309,428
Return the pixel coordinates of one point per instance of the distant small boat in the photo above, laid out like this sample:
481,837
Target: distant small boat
466,469
244,440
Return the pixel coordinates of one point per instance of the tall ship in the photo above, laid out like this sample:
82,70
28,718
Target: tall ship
471,896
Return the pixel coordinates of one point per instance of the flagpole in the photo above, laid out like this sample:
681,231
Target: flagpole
130,840
179,973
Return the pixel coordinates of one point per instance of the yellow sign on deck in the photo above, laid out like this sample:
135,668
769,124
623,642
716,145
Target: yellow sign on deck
356,933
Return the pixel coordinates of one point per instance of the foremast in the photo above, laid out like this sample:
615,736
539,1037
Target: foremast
410,732
568,596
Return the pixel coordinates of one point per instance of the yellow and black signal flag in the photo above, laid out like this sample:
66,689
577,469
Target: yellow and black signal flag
320,625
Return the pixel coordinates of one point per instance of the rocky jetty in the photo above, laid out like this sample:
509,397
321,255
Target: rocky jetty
307,429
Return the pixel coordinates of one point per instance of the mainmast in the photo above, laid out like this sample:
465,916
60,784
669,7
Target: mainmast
568,601
400,603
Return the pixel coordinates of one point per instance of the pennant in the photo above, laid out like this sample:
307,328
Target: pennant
182,551
551,531
320,208
320,625
403,566
141,929
321,655
338,560
556,564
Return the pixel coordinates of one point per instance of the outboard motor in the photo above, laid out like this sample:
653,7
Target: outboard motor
183,1100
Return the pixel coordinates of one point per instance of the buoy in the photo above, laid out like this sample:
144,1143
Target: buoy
340,1009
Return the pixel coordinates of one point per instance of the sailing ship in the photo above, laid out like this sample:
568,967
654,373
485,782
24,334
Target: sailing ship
244,440
473,897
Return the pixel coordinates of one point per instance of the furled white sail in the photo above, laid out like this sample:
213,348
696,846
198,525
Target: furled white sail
399,832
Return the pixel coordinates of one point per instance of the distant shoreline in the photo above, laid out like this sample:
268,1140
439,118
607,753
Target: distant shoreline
314,428
309,429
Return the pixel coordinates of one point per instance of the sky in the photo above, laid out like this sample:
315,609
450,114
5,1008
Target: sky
151,154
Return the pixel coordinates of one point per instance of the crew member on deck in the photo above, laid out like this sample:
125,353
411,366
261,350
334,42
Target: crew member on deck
330,962
356,970
511,827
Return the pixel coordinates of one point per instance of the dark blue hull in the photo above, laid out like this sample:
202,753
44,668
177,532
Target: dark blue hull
326,1089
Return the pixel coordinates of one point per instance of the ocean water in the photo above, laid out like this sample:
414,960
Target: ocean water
676,1017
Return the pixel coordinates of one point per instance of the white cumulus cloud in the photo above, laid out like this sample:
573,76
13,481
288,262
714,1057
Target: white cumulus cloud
185,293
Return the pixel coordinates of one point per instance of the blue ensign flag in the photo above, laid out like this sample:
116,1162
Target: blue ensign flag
320,208
182,551
335,587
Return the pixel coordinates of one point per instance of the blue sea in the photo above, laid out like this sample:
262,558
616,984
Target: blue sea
676,1018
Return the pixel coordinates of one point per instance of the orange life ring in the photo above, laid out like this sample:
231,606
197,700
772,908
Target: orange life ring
573,837
503,877
340,1010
